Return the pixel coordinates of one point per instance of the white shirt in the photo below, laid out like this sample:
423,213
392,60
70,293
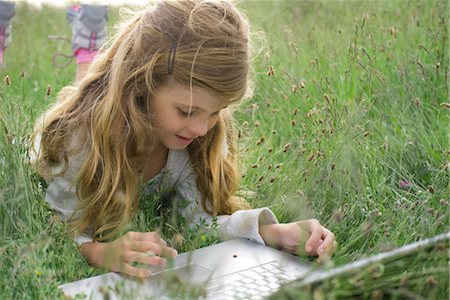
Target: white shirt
178,172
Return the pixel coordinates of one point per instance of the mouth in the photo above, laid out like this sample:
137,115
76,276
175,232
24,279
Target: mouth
184,140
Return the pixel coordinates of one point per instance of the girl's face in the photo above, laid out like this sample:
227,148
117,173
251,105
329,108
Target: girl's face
177,120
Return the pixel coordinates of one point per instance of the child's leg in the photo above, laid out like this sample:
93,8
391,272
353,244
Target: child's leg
7,12
89,31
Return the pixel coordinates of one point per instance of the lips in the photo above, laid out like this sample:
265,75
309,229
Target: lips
184,140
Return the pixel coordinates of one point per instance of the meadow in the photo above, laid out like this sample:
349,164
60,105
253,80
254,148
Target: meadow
348,124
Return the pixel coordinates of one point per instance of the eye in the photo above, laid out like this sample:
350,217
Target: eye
183,113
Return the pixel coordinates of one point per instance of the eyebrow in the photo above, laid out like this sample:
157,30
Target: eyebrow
199,108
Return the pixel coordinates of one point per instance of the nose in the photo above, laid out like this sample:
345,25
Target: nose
199,128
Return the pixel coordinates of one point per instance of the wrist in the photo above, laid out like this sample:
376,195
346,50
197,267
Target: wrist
269,234
94,252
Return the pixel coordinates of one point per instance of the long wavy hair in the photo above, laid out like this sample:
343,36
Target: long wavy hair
197,43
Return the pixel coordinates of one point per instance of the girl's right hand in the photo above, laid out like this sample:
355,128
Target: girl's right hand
133,247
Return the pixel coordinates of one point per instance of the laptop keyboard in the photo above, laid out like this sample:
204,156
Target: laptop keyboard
255,283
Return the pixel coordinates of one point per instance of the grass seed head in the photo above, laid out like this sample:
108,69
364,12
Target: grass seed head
295,111
271,71
417,102
446,105
48,92
7,80
337,216
326,98
22,74
376,295
293,122
286,147
431,281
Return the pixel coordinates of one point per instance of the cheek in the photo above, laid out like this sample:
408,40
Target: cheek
212,122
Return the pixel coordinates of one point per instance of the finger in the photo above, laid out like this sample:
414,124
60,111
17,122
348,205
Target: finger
328,243
152,236
135,272
145,258
155,248
313,242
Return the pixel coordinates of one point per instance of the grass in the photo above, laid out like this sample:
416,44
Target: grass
354,107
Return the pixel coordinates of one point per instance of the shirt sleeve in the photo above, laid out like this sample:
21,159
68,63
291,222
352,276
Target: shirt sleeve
240,224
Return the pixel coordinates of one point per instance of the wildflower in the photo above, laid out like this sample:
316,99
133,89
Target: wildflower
203,238
302,85
37,272
404,184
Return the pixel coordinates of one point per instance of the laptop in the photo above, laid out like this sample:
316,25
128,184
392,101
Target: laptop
235,269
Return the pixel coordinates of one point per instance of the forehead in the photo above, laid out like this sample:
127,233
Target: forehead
174,93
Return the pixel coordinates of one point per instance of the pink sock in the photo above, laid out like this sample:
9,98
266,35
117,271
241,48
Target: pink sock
83,55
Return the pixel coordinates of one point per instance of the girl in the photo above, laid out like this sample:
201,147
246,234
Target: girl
153,109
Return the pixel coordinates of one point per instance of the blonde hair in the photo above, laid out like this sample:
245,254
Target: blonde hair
194,42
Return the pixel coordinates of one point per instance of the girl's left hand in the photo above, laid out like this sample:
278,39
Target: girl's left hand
307,237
